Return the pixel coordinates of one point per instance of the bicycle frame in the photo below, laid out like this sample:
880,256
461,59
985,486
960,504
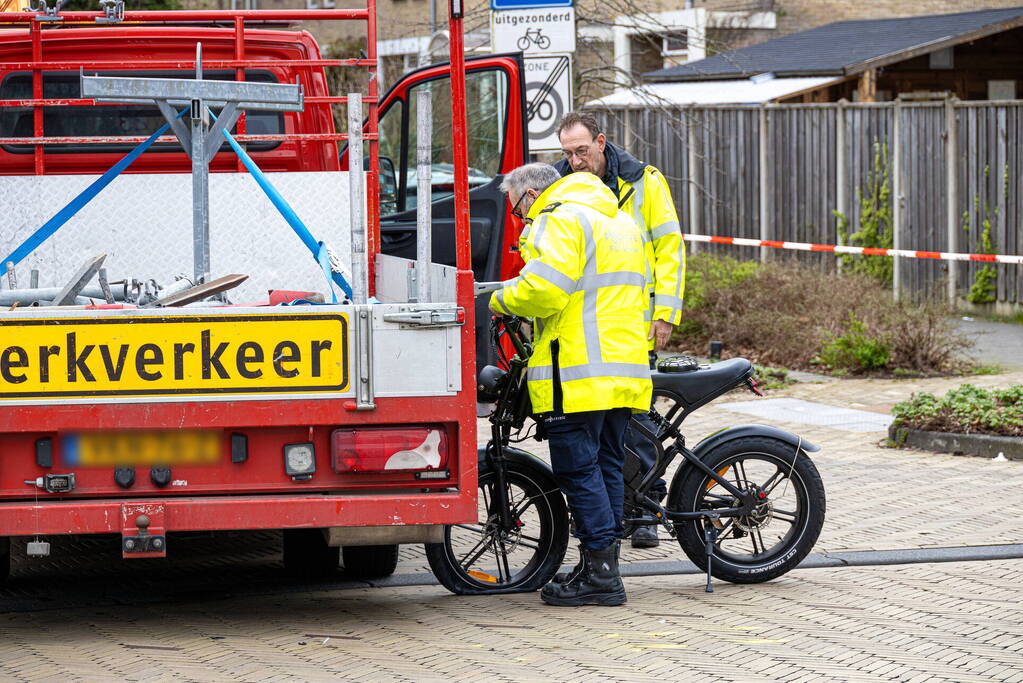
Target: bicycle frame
507,414
664,458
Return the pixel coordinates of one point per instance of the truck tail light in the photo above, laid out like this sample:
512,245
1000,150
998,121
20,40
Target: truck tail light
389,449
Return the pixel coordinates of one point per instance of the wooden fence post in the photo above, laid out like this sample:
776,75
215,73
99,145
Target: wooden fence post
764,181
694,192
951,190
841,181
897,196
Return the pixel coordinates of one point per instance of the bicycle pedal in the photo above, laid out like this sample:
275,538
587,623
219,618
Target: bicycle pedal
678,364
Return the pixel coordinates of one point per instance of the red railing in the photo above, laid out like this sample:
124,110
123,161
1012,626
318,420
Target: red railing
230,18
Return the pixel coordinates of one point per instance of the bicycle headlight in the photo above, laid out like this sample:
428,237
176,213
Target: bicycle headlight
489,384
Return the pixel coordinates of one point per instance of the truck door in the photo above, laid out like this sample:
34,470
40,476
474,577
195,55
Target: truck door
495,100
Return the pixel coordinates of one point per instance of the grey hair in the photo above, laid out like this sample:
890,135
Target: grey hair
530,177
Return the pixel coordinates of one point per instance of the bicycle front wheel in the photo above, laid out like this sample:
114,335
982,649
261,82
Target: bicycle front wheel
484,557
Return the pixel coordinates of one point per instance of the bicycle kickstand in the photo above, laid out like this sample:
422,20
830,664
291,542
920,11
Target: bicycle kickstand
710,534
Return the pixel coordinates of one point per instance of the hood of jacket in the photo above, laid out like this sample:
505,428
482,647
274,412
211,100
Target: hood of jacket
620,164
576,188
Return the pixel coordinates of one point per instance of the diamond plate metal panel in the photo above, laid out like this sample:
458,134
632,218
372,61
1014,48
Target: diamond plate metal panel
143,222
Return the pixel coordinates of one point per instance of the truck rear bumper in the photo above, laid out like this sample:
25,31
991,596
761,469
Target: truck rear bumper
213,513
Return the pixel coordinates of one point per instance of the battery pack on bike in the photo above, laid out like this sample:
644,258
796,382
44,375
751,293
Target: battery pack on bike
678,364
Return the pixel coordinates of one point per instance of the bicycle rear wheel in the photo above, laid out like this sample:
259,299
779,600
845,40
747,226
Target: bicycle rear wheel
484,557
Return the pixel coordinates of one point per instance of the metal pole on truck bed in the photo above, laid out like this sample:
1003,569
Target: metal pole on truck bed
424,193
357,200
460,154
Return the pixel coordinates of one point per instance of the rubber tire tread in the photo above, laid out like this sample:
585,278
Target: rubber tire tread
691,539
5,559
450,578
369,561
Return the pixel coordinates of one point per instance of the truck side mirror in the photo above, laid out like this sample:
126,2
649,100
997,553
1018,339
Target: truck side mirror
388,187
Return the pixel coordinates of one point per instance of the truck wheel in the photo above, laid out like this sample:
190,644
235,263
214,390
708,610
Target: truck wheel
369,561
307,555
5,559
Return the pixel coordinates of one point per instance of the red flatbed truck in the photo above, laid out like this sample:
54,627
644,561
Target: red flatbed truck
143,421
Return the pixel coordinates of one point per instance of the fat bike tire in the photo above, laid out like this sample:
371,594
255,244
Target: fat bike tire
481,558
778,534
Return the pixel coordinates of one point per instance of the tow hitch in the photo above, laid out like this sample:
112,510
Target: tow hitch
148,539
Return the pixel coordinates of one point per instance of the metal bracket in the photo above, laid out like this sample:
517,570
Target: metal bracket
177,125
214,138
428,317
113,12
47,13
364,358
486,287
143,543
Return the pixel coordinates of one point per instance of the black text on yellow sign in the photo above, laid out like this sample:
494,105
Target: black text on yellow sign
156,356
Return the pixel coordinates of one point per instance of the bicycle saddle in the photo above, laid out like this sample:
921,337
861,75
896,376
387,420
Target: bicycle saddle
702,386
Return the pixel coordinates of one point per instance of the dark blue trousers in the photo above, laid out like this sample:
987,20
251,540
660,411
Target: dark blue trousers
587,452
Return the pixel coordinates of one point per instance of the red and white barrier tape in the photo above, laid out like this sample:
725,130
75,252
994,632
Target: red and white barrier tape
865,251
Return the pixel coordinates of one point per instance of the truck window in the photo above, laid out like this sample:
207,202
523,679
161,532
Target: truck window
111,119
486,101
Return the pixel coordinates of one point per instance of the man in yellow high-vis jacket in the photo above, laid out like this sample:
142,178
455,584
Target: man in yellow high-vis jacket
584,281
643,193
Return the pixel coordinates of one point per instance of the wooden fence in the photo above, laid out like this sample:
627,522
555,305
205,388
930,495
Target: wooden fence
948,174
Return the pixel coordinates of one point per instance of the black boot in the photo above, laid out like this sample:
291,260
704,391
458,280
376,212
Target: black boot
597,583
565,577
646,536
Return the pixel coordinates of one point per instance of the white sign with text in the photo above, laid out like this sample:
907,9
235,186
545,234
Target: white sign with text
549,30
548,98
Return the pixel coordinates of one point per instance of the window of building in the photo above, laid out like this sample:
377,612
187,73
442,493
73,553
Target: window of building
675,43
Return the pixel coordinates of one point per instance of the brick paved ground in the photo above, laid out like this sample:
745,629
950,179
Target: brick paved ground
942,622
945,622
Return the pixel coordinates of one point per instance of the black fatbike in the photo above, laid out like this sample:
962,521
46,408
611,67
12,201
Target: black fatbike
746,506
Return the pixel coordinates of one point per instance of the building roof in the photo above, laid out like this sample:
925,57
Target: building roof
845,48
754,90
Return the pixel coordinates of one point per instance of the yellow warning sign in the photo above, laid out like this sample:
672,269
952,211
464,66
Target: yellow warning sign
142,355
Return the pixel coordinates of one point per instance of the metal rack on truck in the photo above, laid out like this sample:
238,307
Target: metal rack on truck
237,396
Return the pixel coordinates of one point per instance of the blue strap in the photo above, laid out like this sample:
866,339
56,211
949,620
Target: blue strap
318,250
324,258
75,205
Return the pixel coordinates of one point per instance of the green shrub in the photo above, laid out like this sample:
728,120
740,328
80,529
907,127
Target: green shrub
966,409
788,315
856,350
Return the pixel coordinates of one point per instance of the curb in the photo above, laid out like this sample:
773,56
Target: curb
981,445
860,558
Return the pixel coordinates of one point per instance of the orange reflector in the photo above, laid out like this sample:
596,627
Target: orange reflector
482,576
721,472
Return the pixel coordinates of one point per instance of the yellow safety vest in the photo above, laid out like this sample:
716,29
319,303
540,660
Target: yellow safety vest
585,282
651,207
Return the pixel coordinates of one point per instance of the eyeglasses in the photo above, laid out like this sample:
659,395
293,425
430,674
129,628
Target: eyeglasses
580,152
515,209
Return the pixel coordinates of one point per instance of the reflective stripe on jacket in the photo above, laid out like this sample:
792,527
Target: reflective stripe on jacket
651,207
585,282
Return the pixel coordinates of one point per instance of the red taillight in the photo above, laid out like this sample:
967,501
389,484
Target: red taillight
389,449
